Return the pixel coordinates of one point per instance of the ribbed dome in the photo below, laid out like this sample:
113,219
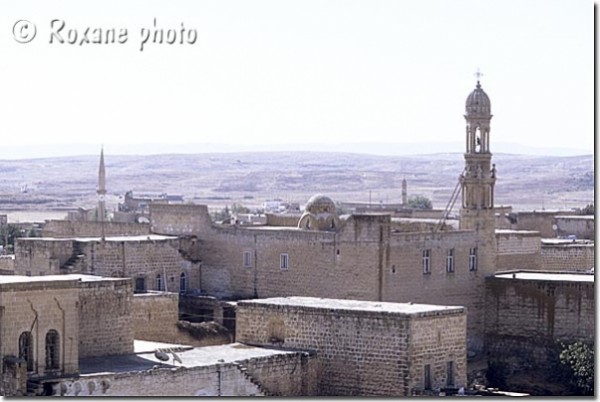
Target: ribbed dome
478,103
319,204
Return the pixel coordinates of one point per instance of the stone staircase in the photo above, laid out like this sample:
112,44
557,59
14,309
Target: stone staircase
244,370
76,262
34,388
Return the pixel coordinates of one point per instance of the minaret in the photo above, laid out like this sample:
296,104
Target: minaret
404,193
479,176
101,188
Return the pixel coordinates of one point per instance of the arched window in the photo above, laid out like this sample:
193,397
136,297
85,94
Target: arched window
52,350
182,282
159,282
26,349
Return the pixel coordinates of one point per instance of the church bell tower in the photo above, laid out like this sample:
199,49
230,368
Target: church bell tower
479,177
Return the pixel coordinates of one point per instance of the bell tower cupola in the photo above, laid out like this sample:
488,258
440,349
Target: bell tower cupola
479,176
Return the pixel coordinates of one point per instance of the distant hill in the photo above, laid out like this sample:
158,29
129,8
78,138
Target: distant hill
217,179
370,148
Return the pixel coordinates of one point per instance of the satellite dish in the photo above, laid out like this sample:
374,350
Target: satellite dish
554,227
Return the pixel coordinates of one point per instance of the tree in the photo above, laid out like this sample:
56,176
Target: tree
579,358
587,210
8,234
419,202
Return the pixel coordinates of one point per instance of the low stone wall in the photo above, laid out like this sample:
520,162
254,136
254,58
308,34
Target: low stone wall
292,374
518,250
567,257
155,316
7,264
59,228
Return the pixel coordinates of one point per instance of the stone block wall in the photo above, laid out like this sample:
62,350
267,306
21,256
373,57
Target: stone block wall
60,228
7,264
41,256
139,259
404,279
341,265
360,352
525,317
439,343
567,257
284,376
105,325
39,307
518,250
299,372
283,219
154,316
581,226
186,219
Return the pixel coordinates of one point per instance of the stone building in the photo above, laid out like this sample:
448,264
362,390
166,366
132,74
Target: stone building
529,313
364,348
153,261
48,323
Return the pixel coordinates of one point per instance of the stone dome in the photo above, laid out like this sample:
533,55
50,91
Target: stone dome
478,103
318,204
319,214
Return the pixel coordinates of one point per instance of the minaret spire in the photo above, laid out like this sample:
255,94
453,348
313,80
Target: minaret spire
101,188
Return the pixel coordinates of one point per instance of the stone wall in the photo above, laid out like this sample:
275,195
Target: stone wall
283,219
526,317
138,259
567,257
41,256
155,316
183,219
363,260
581,226
362,353
63,228
290,375
518,250
38,307
404,279
7,264
436,342
105,325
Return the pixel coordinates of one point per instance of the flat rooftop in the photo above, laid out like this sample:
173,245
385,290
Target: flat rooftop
568,242
578,217
148,237
54,278
190,357
354,305
545,276
523,232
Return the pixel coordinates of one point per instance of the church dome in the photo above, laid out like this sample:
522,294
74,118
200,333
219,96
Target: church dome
319,214
320,204
478,103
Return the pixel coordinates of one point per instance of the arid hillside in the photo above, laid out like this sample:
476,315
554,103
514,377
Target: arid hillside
59,184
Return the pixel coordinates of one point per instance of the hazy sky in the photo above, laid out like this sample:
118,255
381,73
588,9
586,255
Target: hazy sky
299,71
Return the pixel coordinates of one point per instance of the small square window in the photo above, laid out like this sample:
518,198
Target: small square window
283,261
